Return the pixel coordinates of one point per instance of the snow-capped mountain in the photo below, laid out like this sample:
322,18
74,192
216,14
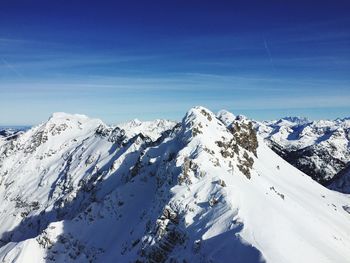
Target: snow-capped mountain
203,190
320,149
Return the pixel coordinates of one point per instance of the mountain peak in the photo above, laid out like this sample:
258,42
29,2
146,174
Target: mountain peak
226,117
201,121
197,110
295,119
67,116
70,121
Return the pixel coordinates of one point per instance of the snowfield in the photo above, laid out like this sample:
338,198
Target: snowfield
207,189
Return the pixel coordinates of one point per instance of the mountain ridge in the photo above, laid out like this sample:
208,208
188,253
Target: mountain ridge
200,191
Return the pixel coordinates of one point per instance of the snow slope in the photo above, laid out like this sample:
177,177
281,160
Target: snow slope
75,190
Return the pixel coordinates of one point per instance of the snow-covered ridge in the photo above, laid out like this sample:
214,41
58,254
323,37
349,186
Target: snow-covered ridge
74,189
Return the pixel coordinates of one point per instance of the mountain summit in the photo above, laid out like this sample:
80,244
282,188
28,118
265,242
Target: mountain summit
207,189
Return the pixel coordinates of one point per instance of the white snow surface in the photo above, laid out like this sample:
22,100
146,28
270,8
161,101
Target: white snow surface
75,190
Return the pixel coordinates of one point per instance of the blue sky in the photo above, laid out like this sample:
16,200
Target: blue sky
118,60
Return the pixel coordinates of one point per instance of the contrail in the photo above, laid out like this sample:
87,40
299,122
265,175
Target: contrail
268,53
12,68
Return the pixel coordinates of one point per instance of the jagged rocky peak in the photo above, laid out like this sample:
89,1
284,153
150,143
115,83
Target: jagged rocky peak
201,157
243,129
203,123
199,120
236,144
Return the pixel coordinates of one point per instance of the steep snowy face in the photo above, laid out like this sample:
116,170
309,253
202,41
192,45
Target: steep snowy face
321,149
32,165
76,190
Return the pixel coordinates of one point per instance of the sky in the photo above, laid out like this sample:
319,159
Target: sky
120,60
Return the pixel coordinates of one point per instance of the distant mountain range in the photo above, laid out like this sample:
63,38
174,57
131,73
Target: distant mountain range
9,133
320,149
206,189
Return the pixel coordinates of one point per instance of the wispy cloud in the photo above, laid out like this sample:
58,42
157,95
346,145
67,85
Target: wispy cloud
269,53
11,68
